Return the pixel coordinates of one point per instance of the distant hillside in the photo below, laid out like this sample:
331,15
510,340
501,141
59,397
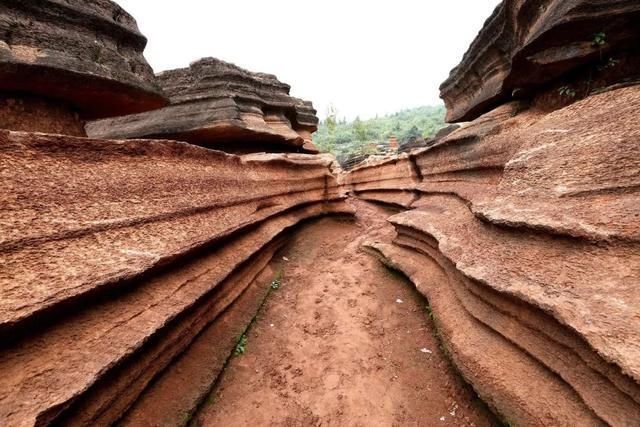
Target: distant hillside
345,139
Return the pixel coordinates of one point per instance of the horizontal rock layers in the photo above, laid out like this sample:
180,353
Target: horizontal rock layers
119,256
86,54
196,370
458,164
527,44
523,234
222,106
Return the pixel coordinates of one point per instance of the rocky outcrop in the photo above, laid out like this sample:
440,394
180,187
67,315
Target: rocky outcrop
131,267
521,226
388,181
60,59
117,254
219,105
527,45
127,263
417,143
462,162
523,234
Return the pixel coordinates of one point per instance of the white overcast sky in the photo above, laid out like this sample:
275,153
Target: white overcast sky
365,57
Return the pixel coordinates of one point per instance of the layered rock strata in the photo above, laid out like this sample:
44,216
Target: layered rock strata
418,143
219,105
521,227
463,162
527,45
65,61
522,231
117,255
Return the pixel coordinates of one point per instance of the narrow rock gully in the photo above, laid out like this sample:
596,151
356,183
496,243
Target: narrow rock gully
342,341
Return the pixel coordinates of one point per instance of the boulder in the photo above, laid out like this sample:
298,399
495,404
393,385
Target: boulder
219,105
527,44
60,59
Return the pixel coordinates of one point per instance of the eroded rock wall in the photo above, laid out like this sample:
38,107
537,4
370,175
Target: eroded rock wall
130,268
117,254
88,54
219,105
521,228
529,44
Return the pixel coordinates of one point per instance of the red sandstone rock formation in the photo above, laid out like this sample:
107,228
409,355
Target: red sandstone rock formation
522,226
61,59
126,250
124,262
527,44
526,243
219,105
530,231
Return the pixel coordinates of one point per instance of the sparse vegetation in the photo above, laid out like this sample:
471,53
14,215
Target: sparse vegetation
611,63
599,39
567,91
241,346
429,311
277,281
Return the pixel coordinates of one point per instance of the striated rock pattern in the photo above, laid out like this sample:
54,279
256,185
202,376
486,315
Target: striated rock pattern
523,234
461,162
418,143
219,105
527,44
88,54
121,258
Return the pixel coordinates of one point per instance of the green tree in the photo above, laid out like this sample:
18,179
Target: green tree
345,139
331,124
413,132
360,130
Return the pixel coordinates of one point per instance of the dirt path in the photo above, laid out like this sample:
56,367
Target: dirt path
342,342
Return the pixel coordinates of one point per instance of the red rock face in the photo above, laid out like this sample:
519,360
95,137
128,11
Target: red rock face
523,234
20,112
116,254
125,262
128,268
88,54
222,106
522,226
526,45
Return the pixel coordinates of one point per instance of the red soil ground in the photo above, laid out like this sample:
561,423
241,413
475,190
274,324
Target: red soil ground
335,346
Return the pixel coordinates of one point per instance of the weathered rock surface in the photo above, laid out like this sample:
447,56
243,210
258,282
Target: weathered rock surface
379,181
576,173
460,163
502,375
88,54
222,106
116,254
523,234
196,370
523,224
527,44
30,113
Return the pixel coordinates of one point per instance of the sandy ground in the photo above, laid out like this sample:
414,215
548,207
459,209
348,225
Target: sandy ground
343,341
